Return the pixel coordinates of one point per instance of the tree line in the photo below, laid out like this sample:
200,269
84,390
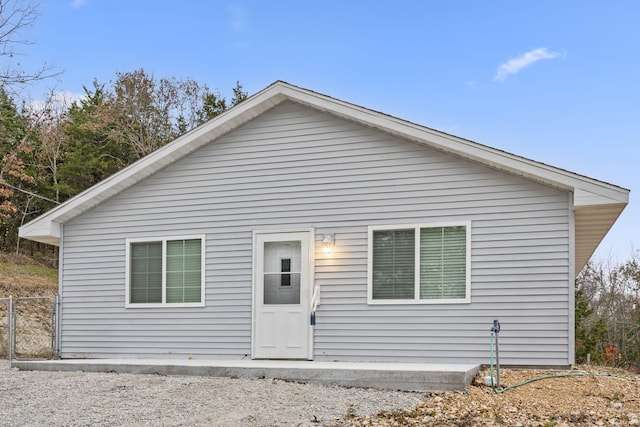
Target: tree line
607,316
54,149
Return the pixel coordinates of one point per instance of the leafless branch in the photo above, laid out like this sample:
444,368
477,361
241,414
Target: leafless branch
15,17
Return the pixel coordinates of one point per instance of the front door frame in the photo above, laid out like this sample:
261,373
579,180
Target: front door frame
305,294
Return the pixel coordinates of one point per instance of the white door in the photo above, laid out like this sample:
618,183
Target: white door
282,268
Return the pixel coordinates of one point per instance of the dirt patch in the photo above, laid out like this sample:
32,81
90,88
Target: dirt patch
24,278
33,328
603,397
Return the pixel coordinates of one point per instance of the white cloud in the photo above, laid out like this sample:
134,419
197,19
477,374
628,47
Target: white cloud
78,3
68,98
514,65
56,102
238,18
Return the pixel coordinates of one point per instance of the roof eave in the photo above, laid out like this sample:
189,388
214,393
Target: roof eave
43,232
592,223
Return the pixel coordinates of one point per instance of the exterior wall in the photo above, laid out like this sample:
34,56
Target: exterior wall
293,167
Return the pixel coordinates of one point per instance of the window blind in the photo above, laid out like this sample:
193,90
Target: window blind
443,262
183,271
393,264
146,272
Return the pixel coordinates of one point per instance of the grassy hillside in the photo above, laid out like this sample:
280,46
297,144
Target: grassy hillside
23,277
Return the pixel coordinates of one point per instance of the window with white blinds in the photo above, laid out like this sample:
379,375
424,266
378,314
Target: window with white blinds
145,278
165,272
393,264
419,264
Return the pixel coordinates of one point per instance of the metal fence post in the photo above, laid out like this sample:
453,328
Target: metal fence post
10,330
56,327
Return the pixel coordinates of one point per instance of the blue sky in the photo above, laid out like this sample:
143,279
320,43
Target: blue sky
554,81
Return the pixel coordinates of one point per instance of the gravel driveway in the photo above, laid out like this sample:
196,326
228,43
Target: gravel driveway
93,399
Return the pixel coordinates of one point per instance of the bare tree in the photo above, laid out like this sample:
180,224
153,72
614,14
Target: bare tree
16,16
48,122
146,113
608,309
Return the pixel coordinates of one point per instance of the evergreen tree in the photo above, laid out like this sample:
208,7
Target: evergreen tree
13,174
91,155
54,150
238,95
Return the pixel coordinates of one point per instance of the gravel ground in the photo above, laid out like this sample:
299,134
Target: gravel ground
95,399
587,396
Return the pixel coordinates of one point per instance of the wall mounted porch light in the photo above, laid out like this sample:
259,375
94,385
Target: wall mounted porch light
327,244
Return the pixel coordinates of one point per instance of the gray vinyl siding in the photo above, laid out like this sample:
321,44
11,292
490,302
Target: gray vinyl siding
294,168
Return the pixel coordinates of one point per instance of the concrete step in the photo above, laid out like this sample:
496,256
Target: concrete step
390,376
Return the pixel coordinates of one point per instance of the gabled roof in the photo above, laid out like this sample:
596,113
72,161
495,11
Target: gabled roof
597,204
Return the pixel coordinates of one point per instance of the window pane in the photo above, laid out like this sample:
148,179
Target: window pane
192,262
174,295
146,273
282,264
184,271
393,264
276,252
192,294
443,262
192,247
277,292
175,262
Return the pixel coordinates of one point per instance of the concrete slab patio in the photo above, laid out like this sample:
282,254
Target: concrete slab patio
390,376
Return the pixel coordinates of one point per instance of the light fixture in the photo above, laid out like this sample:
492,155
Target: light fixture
327,244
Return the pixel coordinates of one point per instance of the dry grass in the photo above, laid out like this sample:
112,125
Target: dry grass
591,400
23,277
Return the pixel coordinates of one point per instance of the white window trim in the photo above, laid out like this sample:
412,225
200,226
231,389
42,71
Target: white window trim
164,304
416,299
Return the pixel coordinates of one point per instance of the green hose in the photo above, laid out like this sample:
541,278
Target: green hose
545,377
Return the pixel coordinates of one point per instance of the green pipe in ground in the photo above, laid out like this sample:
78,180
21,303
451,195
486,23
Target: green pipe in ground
544,377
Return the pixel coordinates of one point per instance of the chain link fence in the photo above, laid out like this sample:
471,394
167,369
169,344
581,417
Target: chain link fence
27,327
5,327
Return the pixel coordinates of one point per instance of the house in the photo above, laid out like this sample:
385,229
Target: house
300,226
